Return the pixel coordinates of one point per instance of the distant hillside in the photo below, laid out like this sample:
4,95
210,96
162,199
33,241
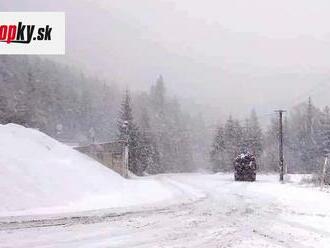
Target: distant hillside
58,100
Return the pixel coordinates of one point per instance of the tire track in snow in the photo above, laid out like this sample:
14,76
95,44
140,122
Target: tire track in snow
93,219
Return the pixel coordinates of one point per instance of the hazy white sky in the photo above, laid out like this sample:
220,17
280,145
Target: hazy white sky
233,54
256,32
273,18
279,18
224,45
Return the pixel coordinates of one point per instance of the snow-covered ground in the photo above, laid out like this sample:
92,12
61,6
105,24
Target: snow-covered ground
227,214
39,175
53,196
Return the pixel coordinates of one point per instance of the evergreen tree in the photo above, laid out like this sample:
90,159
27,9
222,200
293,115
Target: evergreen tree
218,150
325,139
253,135
269,156
169,126
42,94
325,131
303,138
309,120
128,130
233,134
150,152
158,95
4,115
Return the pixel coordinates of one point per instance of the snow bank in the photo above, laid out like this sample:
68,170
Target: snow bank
39,175
297,178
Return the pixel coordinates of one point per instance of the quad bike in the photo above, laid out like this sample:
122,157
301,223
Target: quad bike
245,167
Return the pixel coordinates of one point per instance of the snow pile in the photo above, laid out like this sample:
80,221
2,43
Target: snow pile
39,175
298,178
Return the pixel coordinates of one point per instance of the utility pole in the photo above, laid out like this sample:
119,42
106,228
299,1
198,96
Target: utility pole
280,139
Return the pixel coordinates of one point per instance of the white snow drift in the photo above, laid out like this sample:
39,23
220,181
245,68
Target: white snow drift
39,175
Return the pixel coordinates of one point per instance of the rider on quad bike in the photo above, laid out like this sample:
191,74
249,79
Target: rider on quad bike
245,167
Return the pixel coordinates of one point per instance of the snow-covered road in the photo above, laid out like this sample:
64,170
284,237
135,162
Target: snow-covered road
226,214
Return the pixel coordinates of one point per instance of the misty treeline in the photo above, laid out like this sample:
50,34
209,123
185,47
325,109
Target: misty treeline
233,138
306,130
160,139
57,100
74,108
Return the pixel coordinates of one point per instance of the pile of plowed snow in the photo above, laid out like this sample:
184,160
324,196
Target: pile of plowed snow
39,175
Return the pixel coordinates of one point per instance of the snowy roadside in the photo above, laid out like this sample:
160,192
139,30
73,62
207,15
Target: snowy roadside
181,195
41,178
264,213
306,180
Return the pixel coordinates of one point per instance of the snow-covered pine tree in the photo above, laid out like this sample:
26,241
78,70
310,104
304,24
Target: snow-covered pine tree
309,119
140,154
303,138
3,110
313,153
25,106
325,139
233,134
270,147
253,135
325,131
150,154
170,128
158,95
43,94
129,130
217,154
